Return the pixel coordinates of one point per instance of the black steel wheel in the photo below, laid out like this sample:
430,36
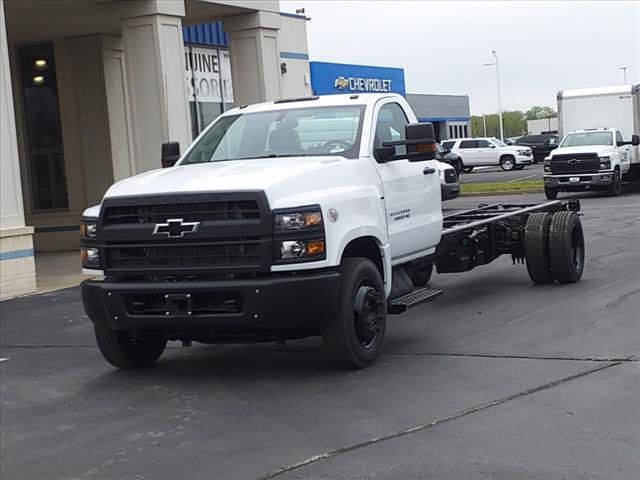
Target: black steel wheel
507,163
536,248
551,193
615,189
355,336
566,247
125,349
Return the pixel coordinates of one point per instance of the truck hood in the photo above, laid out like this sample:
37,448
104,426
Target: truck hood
233,175
601,150
285,181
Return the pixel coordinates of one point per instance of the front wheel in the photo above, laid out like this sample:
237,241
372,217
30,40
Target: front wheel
124,349
551,193
354,337
507,163
615,189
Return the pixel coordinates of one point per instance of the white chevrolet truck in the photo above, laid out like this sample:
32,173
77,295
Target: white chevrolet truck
600,145
294,218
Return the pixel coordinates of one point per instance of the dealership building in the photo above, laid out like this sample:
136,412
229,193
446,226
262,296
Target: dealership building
90,90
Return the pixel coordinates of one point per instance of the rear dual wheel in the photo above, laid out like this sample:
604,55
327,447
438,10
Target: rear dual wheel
554,247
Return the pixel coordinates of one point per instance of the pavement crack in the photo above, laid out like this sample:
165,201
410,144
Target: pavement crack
516,357
424,426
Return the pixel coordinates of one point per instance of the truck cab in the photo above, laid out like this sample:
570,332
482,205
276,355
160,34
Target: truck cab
589,159
253,232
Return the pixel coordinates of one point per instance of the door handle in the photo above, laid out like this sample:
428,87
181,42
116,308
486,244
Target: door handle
428,170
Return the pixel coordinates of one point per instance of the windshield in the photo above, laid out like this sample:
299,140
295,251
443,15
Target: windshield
587,138
498,142
317,131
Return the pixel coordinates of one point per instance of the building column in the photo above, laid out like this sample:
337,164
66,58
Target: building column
155,66
255,56
17,267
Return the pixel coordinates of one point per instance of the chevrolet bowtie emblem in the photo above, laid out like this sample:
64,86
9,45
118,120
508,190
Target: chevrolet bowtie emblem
175,228
341,83
573,161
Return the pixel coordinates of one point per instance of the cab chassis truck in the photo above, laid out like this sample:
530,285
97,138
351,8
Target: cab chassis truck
248,265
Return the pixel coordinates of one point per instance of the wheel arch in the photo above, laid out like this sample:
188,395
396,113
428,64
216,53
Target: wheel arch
371,247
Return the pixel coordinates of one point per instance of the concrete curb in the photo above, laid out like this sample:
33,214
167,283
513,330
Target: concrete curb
501,192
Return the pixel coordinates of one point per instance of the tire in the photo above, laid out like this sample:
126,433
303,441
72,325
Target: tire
536,248
566,247
551,193
507,163
615,189
519,167
354,340
458,166
124,349
466,169
421,276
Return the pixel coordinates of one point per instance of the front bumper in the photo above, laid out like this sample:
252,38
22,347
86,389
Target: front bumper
581,181
524,160
257,305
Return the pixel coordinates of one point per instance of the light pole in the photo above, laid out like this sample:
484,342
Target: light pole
624,70
484,122
496,63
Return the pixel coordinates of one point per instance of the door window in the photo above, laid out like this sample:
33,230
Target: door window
390,126
448,145
45,153
484,144
619,139
469,144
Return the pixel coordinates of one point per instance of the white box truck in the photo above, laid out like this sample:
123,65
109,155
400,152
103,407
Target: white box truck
600,128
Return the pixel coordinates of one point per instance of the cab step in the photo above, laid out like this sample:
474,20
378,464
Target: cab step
412,299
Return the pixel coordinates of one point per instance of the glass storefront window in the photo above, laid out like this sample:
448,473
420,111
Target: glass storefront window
208,76
45,153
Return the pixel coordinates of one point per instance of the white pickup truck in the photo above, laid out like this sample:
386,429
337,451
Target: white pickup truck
600,149
301,217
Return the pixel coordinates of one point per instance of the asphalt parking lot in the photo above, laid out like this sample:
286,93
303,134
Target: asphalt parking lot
496,174
497,379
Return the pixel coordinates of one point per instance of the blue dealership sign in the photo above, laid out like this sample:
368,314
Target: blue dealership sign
329,78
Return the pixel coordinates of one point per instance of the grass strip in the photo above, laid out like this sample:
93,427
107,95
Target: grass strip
524,185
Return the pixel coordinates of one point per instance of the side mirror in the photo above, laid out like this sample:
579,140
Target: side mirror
491,145
384,154
635,140
420,141
170,154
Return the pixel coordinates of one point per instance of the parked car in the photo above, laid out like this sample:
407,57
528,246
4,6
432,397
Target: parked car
475,152
541,145
447,156
449,181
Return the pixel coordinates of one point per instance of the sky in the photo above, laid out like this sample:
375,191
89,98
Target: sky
542,47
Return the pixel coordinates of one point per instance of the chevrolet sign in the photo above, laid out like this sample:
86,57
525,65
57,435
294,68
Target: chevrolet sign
354,84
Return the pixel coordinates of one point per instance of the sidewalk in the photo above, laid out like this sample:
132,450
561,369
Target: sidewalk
56,270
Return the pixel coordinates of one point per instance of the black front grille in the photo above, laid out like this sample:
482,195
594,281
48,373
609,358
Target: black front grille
188,212
209,303
240,253
450,176
575,163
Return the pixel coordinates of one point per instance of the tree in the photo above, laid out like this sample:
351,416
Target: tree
513,123
538,111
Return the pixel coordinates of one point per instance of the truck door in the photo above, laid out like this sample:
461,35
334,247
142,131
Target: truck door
469,152
411,189
624,152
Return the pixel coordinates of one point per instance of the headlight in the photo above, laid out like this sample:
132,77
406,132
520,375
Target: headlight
301,249
90,257
88,229
605,163
547,165
299,234
300,220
